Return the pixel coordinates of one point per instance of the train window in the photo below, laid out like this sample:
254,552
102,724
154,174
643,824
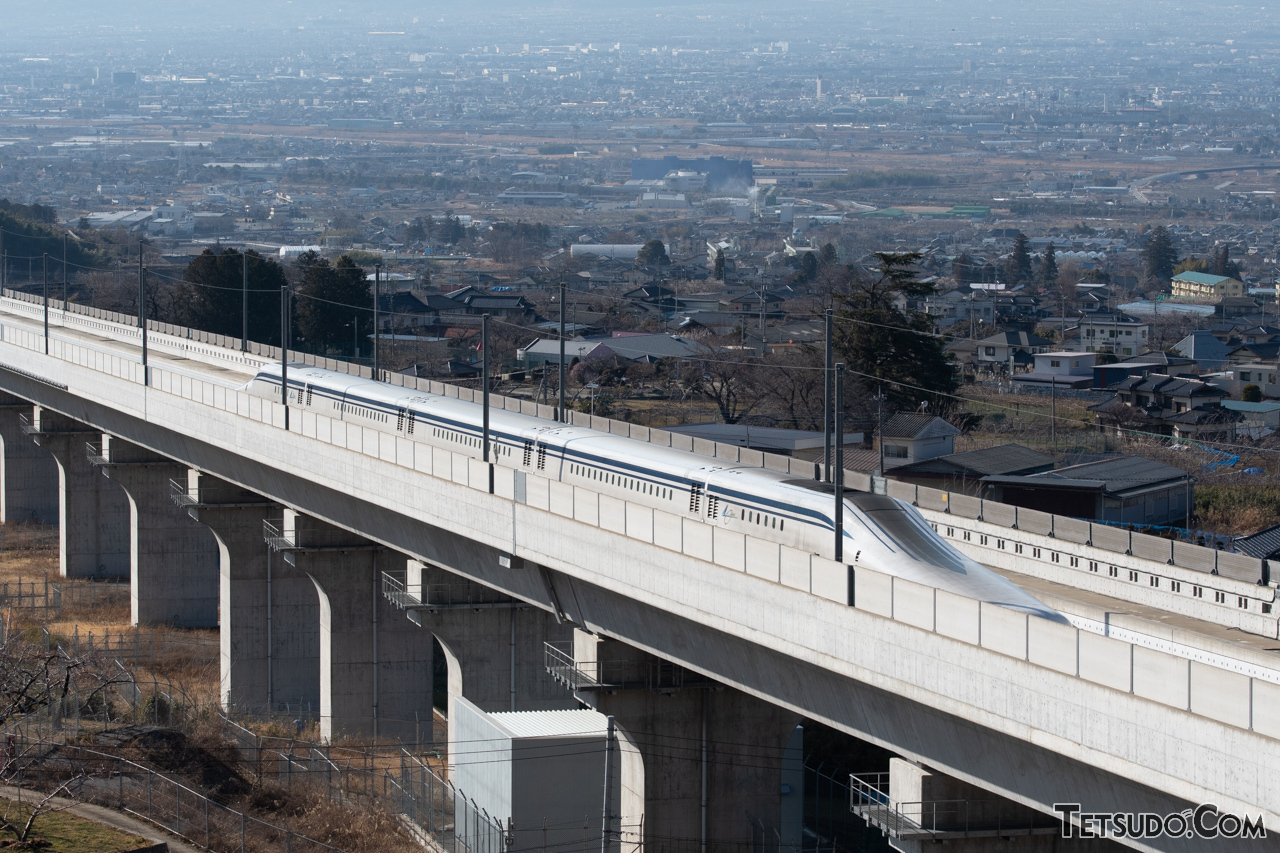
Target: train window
1242,602
1220,597
1155,581
782,524
1133,576
775,523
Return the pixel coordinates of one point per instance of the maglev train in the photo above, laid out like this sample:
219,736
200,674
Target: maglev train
880,532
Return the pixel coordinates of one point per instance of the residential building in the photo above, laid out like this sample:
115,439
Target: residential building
1203,287
963,472
909,437
1169,405
1060,370
1119,334
1020,347
1123,490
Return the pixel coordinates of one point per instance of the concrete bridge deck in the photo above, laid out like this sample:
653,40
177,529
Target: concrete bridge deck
1034,711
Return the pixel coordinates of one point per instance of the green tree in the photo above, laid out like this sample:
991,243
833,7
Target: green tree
212,298
1159,254
1222,263
330,298
1251,394
652,254
894,347
719,268
1017,268
828,256
1049,265
964,270
1191,264
808,266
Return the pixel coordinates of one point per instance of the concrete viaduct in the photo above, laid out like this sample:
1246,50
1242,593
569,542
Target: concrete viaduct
307,545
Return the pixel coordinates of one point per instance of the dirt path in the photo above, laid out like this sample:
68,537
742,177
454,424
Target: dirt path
110,817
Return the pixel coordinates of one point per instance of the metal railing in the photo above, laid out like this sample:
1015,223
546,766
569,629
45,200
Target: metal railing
442,596
652,674
313,539
276,537
870,800
93,451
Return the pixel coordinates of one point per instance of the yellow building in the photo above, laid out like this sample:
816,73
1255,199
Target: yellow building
1202,287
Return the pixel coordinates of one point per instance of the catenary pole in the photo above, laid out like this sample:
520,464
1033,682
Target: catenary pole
826,404
560,415
839,462
46,303
142,311
244,306
377,292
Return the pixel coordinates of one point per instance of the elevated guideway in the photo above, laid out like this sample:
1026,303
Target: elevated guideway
1032,710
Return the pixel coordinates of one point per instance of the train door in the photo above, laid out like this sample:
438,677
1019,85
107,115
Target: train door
704,503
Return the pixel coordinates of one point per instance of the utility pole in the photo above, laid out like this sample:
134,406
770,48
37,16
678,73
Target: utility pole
1053,408
606,831
484,382
560,406
839,462
826,404
244,308
46,303
377,291
142,313
284,352
880,426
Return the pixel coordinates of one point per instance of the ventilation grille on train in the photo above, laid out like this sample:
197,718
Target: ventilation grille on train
528,453
713,506
542,457
411,418
695,498
308,395
400,421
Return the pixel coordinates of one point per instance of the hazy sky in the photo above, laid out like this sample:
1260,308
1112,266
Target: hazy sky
68,26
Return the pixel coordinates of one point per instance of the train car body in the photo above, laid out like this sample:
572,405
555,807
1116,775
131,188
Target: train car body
880,532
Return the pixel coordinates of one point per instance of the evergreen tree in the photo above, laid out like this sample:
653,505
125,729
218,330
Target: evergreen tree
329,298
1049,265
963,269
891,343
1222,263
719,269
213,298
1017,268
1159,255
652,254
808,266
828,256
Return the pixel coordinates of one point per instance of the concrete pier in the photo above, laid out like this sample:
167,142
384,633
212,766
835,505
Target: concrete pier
173,559
715,759
375,671
93,512
494,645
28,473
268,631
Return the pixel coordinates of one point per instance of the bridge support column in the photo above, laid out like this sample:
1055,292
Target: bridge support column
173,559
93,512
28,472
715,759
375,666
494,646
267,625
